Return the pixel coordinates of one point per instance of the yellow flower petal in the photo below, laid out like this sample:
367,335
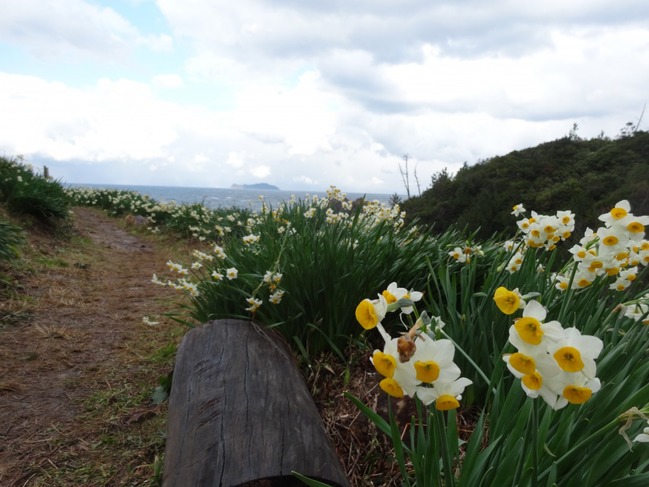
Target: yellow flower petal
529,329
392,387
446,403
635,227
427,371
389,297
523,363
533,381
366,314
577,394
569,359
384,363
507,301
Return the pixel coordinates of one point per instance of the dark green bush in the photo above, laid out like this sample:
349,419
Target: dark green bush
24,192
585,176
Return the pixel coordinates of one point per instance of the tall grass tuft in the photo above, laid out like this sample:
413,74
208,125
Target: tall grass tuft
11,237
24,192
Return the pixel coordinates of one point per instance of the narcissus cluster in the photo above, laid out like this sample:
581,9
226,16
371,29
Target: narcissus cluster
414,364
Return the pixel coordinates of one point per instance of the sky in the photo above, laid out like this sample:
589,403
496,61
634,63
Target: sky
308,94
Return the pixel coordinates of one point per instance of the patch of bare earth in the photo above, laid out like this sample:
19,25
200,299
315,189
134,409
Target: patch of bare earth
78,369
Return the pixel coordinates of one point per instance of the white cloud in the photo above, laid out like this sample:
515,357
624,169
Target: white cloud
235,160
567,78
260,172
161,43
54,28
302,117
304,180
311,93
114,119
168,81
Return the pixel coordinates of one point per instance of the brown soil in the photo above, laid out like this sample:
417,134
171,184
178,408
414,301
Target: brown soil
78,366
77,363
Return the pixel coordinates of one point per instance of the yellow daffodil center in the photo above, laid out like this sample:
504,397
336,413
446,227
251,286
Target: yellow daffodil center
392,387
533,381
523,363
596,264
427,371
384,363
618,213
389,297
577,394
635,227
507,301
529,329
610,240
569,359
446,403
366,314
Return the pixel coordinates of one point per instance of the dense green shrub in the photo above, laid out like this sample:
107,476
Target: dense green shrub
585,176
24,192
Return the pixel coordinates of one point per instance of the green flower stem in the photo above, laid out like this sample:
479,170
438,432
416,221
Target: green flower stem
535,441
446,457
475,366
567,298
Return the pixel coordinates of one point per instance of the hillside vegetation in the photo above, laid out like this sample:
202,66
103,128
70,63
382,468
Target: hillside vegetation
585,176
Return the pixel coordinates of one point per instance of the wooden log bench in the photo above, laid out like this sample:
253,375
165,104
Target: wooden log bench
240,413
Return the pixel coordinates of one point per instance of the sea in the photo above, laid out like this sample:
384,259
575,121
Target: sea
228,197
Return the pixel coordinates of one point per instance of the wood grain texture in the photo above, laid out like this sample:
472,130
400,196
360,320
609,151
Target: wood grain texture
240,411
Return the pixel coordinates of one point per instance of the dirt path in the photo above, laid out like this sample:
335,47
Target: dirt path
78,368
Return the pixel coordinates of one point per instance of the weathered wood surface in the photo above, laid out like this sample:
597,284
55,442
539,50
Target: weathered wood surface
240,412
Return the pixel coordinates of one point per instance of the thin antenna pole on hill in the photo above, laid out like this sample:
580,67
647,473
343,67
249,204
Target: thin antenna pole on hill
404,175
637,125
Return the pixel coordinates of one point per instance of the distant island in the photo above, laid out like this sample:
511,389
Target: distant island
255,186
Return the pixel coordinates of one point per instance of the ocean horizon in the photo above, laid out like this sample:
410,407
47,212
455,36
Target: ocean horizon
213,198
